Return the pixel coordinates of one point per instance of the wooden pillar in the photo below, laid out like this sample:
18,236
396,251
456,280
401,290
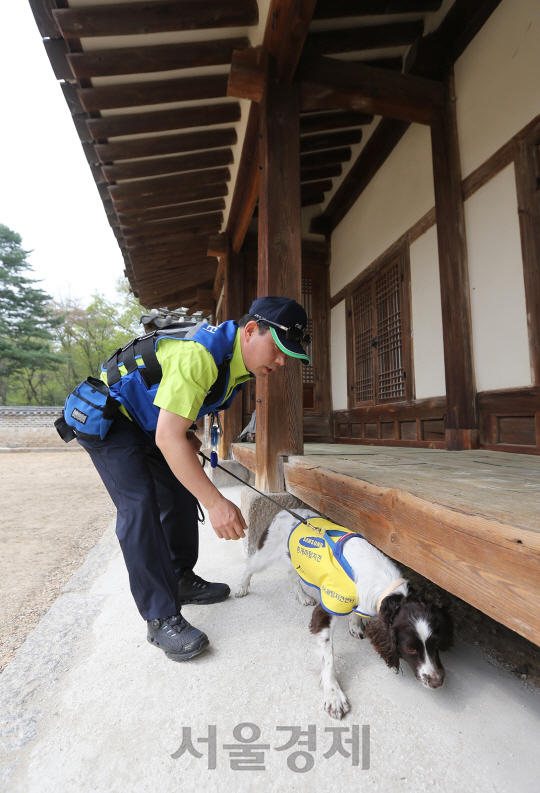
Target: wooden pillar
232,308
279,397
527,169
461,417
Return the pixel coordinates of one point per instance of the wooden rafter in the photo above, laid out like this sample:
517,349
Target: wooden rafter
164,144
123,19
168,165
163,120
333,9
155,92
157,58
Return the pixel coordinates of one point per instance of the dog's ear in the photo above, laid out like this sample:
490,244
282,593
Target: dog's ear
390,607
382,636
445,629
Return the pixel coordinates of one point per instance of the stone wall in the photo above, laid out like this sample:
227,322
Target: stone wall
24,426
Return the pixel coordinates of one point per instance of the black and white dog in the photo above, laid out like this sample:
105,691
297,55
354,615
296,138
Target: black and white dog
405,627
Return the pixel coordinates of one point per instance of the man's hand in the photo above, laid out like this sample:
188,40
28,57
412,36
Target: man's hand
227,520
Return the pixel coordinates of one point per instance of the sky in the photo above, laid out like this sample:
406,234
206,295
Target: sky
47,193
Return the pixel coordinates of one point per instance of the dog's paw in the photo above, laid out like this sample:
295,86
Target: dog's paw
356,630
305,600
336,703
241,591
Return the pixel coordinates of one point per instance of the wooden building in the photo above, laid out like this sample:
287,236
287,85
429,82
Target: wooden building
377,160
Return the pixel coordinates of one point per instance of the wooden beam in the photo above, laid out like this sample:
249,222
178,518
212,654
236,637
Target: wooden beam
279,396
165,144
184,196
461,415
287,25
330,140
329,42
156,58
248,205
490,564
335,119
167,213
246,188
333,9
218,245
247,74
154,92
331,84
205,300
169,184
124,19
294,19
431,58
163,120
168,165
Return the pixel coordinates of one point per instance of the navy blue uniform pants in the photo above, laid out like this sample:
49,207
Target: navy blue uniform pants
157,518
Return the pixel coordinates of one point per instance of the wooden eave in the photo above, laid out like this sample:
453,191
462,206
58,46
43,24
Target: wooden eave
173,156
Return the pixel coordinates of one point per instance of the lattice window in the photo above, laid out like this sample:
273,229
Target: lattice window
307,302
391,380
378,373
362,312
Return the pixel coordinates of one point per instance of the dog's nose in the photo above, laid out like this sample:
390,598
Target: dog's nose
434,681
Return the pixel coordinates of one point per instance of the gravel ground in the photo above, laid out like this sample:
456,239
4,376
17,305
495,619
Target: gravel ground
53,510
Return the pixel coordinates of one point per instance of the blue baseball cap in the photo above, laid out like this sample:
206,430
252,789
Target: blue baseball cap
288,324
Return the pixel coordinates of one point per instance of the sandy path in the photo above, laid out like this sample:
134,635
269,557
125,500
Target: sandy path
53,510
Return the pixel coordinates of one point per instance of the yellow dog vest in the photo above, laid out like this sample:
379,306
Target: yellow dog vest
317,557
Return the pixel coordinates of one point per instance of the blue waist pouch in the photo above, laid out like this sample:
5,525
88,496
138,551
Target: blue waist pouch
88,413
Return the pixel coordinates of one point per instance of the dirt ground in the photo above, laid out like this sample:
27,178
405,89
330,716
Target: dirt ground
53,510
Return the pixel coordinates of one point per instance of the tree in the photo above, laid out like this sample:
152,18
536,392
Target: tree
27,321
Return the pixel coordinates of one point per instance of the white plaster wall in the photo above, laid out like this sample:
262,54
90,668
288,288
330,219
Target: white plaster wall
499,319
428,350
498,81
338,351
399,194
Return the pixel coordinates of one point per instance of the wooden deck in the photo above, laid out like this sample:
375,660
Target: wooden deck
468,521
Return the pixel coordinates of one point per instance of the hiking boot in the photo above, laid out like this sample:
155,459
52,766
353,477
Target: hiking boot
194,589
179,640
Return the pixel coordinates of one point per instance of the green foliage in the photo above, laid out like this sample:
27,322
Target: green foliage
27,320
47,347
